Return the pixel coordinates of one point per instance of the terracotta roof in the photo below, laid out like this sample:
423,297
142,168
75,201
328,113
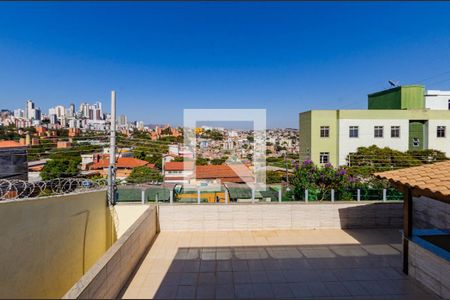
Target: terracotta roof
122,162
431,180
178,166
10,144
224,172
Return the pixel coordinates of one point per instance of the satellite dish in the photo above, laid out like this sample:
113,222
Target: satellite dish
393,83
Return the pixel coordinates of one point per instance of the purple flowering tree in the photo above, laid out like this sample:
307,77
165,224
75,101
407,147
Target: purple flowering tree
320,180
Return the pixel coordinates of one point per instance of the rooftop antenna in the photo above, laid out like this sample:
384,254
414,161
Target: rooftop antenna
393,83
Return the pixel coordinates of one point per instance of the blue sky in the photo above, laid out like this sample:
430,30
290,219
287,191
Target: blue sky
162,57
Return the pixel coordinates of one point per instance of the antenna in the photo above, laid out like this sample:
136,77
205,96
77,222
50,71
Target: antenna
393,83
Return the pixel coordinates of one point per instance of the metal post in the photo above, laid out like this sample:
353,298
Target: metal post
143,196
171,197
332,195
226,196
280,196
358,195
198,196
156,198
306,195
384,195
112,153
253,194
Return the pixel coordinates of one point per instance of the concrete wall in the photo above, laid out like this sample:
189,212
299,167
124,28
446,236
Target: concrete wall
47,244
366,135
181,217
111,272
429,269
441,144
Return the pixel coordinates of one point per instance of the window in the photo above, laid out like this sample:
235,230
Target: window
324,157
449,104
378,132
354,131
395,131
440,132
324,131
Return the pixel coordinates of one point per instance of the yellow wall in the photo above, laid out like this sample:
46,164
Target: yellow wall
47,244
210,196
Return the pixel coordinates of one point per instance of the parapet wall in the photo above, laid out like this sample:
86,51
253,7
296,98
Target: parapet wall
258,216
47,244
111,272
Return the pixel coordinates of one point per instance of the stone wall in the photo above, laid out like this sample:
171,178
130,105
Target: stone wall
111,272
260,216
429,269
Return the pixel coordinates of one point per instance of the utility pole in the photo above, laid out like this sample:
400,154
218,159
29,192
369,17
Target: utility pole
112,153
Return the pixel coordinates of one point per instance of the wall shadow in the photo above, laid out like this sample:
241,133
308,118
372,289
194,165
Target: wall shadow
287,272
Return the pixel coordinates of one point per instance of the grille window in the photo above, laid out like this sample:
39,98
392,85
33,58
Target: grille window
440,132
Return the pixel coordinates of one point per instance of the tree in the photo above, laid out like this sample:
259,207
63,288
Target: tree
368,160
427,156
273,177
320,180
219,161
144,174
201,161
60,168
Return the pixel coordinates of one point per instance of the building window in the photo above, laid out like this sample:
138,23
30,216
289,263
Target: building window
354,131
378,132
449,104
324,157
324,131
440,132
395,131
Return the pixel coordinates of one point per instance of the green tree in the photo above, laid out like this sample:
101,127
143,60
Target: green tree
60,168
219,161
144,174
368,160
201,161
273,177
428,156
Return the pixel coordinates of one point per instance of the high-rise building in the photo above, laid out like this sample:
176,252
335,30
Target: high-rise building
19,113
28,109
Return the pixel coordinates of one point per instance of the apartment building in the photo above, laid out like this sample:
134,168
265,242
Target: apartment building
402,118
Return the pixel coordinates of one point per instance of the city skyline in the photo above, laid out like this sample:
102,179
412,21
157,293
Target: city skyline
162,58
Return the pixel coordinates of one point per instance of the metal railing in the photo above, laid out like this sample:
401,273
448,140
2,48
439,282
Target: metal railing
19,189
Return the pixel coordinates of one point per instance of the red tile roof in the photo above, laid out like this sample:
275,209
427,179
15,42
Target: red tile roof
432,180
178,166
10,144
123,162
225,173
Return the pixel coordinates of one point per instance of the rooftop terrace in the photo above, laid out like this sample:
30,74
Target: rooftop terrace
274,264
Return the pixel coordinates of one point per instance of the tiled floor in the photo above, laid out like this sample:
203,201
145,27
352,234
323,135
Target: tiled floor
274,264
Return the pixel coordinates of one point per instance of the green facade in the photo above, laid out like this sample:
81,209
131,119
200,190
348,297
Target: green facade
401,97
311,144
417,135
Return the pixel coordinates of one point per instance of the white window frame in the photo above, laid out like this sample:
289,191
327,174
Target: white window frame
395,128
325,129
375,128
350,129
440,129
322,155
